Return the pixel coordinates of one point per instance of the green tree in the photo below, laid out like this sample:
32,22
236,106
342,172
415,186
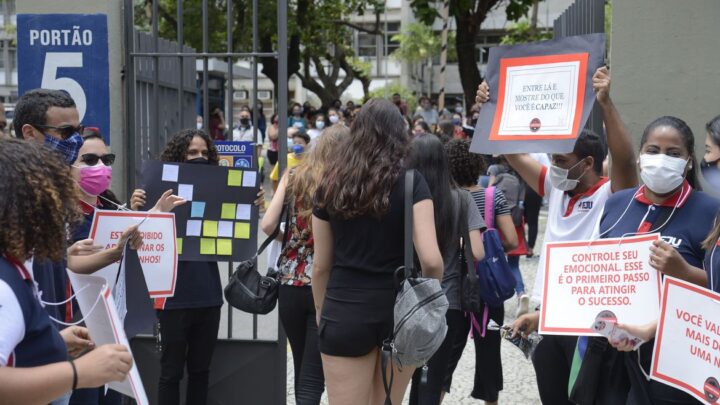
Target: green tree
522,32
319,36
417,42
469,15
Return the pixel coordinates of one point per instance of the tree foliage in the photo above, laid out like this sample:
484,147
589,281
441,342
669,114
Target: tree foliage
319,36
522,32
469,16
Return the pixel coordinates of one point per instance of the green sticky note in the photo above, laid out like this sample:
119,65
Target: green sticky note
242,230
207,246
235,178
178,242
210,228
224,247
228,211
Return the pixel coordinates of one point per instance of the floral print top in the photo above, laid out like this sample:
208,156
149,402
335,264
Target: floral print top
296,259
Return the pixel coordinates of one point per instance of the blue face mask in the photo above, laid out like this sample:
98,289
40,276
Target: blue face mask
456,121
298,149
68,148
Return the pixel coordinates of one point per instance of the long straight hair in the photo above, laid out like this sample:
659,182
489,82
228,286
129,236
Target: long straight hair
306,176
427,156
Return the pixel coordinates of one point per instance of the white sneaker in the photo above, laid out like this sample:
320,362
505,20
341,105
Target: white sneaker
523,305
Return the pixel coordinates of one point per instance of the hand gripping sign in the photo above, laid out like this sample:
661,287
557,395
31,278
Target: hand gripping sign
540,95
687,343
105,327
583,278
158,254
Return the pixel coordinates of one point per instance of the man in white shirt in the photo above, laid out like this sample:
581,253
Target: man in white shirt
576,193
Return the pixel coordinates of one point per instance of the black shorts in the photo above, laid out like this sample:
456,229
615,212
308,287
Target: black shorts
354,321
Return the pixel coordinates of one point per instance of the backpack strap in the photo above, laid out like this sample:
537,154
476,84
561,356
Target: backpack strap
490,207
408,241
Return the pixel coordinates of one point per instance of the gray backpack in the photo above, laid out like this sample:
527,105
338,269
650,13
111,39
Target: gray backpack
419,313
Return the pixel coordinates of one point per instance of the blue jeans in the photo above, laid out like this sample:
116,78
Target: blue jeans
514,262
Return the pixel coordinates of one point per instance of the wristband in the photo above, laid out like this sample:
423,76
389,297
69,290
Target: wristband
75,375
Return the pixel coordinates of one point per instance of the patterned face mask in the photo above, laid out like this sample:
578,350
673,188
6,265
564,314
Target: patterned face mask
68,148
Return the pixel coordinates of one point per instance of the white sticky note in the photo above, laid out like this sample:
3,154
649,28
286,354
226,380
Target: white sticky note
249,179
185,191
243,212
194,227
170,173
225,229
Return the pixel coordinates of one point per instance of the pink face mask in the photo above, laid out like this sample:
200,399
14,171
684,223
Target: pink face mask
95,179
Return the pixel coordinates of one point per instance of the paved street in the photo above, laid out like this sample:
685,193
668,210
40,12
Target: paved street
520,387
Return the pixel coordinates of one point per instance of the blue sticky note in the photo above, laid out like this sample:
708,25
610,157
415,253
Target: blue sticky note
198,209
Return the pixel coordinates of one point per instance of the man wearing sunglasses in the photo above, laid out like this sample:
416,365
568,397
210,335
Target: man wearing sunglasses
50,117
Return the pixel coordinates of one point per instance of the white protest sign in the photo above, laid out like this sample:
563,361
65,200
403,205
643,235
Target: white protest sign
158,255
583,278
687,343
101,318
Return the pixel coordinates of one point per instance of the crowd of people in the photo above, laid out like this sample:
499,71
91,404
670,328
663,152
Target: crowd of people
340,206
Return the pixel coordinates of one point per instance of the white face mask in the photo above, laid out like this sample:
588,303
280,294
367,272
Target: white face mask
662,173
334,119
320,124
559,178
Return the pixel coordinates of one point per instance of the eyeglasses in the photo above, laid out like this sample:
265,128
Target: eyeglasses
92,159
65,131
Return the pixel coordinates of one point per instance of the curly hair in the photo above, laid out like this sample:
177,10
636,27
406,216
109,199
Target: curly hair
38,200
465,166
308,174
362,174
177,148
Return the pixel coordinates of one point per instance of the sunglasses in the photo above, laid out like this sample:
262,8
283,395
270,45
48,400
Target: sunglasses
92,159
65,131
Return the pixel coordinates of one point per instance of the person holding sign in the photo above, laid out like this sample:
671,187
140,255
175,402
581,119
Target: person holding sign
577,193
189,321
667,203
34,365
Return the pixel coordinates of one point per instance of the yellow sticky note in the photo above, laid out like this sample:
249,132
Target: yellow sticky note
207,246
235,178
228,211
178,241
224,247
242,230
210,228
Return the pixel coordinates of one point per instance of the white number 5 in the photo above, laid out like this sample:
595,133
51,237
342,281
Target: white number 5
55,60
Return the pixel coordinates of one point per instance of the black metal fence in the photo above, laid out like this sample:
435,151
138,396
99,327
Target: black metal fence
581,18
165,83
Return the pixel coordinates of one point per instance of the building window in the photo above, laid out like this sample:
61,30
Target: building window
367,44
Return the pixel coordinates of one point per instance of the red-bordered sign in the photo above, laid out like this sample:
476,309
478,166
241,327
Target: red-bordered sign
577,77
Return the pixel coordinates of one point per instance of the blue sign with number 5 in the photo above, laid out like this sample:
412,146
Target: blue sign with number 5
67,52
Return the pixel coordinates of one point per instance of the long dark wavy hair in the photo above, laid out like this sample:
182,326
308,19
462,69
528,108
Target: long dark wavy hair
38,201
427,156
177,148
361,175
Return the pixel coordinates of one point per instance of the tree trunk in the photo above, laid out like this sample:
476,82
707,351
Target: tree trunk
465,40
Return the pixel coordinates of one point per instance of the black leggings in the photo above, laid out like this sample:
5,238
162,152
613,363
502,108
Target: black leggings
533,202
552,360
297,313
188,336
488,362
429,393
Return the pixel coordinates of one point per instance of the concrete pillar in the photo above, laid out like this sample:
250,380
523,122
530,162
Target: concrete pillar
116,54
665,60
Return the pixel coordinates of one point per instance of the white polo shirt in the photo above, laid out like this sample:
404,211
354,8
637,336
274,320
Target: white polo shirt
569,218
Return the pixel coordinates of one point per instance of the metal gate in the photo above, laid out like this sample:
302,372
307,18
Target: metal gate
166,84
581,18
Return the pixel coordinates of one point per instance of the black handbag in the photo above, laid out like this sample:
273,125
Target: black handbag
248,290
470,299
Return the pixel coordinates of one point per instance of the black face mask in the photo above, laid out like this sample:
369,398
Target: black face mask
244,121
198,161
